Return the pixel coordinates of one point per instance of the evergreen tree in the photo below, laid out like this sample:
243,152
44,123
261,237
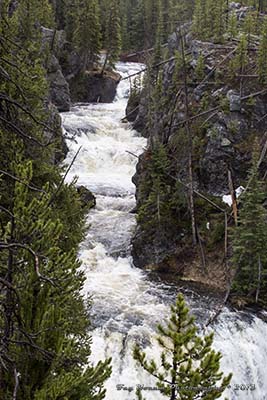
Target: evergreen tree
87,35
45,322
250,238
249,26
113,35
32,14
199,19
240,60
138,26
189,368
45,345
232,25
262,54
156,208
71,18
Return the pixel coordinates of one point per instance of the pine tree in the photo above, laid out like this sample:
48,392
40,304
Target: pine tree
249,26
113,35
71,18
138,26
262,54
32,14
249,239
232,25
87,35
189,368
240,60
200,20
45,320
156,208
45,346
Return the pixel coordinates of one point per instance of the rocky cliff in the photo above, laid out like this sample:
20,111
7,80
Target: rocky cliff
226,113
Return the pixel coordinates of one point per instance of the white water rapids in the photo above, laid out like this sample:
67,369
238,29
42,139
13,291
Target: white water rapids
127,305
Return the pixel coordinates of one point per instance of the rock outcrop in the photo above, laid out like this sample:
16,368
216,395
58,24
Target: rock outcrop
93,87
67,81
223,138
87,198
59,91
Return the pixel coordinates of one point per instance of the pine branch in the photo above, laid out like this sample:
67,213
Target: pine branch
26,111
23,183
64,177
21,133
4,246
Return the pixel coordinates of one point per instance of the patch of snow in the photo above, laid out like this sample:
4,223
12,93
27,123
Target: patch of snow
228,198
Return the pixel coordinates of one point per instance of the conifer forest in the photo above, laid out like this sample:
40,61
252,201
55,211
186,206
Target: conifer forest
133,199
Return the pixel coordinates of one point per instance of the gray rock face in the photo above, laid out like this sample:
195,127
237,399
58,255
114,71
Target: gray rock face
92,87
59,93
87,198
59,87
54,134
234,100
223,142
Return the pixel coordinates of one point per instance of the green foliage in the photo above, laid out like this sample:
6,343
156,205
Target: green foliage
249,26
262,54
43,319
48,322
87,35
156,207
209,19
200,68
113,34
249,239
232,25
31,15
199,19
187,360
240,60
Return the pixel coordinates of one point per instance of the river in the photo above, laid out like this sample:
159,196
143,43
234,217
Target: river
127,304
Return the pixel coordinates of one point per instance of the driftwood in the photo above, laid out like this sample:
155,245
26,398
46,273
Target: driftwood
138,53
216,66
132,154
220,308
254,94
152,67
130,113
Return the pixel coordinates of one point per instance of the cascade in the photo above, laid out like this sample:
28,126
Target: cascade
127,304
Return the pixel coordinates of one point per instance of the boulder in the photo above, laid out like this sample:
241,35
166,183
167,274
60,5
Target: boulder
87,198
92,87
234,101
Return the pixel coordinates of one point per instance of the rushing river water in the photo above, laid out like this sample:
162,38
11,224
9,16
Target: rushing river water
128,305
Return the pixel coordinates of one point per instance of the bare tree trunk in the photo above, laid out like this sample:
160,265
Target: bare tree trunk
225,236
259,279
233,196
190,146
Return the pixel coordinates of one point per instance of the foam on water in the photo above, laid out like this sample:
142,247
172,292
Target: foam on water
127,305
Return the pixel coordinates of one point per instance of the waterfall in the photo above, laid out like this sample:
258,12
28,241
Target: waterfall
127,304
